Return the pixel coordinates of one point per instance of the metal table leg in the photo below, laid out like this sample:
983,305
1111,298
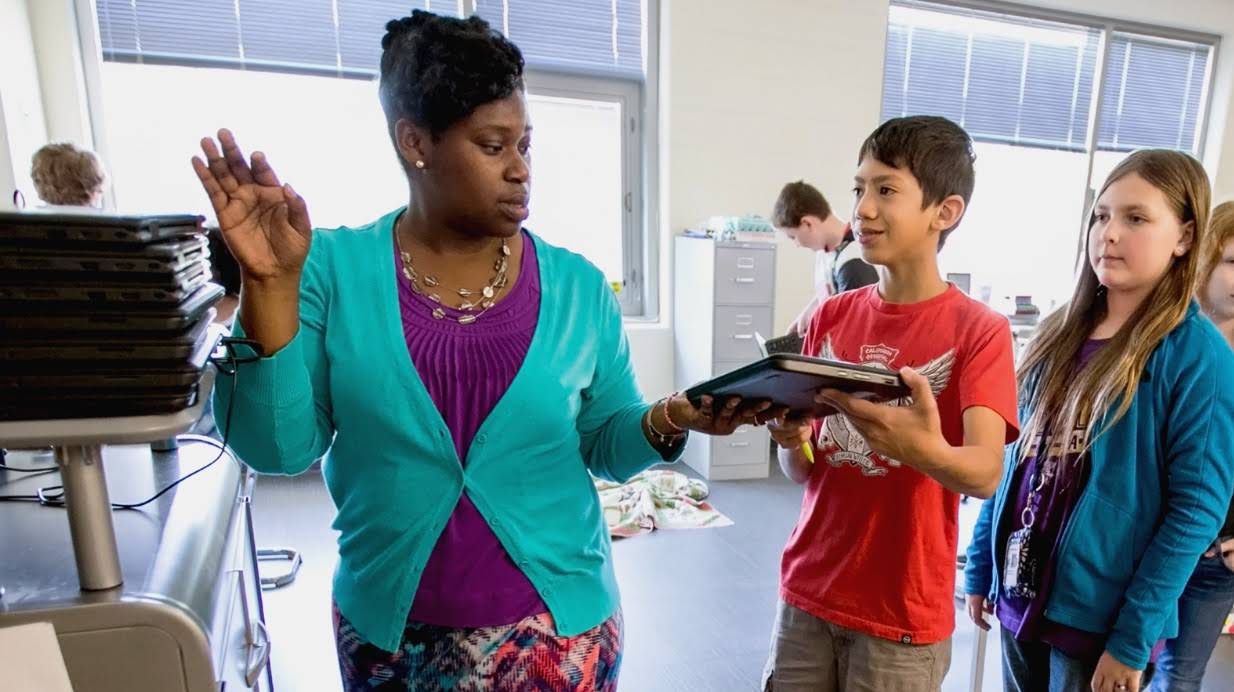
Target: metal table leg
89,510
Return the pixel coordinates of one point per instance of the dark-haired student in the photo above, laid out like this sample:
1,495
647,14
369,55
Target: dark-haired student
464,377
866,579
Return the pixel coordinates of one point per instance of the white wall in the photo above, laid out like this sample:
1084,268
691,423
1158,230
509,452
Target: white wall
42,90
8,182
754,95
764,93
58,52
20,99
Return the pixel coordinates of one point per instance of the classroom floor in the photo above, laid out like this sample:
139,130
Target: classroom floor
698,604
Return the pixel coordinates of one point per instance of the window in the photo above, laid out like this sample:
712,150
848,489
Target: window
295,78
1028,88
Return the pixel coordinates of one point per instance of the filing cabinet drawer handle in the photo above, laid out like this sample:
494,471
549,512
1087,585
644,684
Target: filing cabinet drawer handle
745,263
743,320
738,444
743,280
743,337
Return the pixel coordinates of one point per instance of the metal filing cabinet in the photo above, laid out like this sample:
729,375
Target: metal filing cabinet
723,293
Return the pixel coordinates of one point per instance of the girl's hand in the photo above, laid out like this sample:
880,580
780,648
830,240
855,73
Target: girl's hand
1113,676
1227,553
978,607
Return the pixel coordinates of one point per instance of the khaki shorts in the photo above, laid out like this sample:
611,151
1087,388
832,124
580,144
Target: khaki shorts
812,655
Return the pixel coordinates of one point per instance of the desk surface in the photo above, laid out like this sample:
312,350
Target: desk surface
164,547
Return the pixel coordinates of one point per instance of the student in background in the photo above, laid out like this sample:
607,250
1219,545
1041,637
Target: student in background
867,578
1209,595
1125,470
66,175
803,214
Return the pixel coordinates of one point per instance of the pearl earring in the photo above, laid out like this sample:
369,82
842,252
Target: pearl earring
420,165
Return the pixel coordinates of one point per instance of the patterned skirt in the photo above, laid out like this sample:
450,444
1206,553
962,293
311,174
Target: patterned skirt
521,657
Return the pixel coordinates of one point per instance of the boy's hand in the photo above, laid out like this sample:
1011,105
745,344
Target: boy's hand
978,607
791,434
904,433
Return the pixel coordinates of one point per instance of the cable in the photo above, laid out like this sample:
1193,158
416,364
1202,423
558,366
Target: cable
36,471
39,469
223,451
53,495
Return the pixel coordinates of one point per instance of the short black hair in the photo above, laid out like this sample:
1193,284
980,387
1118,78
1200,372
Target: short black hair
798,200
436,70
938,152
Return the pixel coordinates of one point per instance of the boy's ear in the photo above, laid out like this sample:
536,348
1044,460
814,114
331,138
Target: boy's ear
949,213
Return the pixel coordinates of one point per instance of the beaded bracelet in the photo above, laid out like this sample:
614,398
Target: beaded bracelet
663,439
669,418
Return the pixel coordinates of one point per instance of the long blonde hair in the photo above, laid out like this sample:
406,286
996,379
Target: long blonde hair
1064,399
1220,232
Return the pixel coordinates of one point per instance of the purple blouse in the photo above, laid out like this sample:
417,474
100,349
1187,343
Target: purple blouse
470,580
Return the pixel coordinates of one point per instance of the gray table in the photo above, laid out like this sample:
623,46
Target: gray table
187,614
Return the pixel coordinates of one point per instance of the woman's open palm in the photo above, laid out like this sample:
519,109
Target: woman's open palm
264,222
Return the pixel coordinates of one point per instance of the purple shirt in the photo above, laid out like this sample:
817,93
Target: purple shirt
1068,473
470,580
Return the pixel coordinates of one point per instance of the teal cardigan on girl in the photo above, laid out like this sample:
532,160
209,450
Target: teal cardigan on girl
1159,487
345,387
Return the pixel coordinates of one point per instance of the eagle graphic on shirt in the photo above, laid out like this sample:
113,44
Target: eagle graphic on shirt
841,443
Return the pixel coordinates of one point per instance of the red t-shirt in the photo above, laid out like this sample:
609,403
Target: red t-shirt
874,549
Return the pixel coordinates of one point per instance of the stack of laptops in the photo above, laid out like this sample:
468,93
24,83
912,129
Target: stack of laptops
102,315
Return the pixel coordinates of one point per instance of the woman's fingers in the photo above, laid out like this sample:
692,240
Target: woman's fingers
235,158
263,173
218,198
297,212
218,166
706,409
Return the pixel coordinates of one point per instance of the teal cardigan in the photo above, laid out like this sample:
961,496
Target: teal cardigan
1158,491
345,386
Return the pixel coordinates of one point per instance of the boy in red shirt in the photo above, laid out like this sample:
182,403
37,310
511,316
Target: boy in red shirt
867,578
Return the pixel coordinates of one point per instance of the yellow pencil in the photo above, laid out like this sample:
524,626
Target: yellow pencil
808,449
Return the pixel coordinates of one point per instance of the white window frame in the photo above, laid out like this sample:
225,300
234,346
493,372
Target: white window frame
640,223
627,94
1108,27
